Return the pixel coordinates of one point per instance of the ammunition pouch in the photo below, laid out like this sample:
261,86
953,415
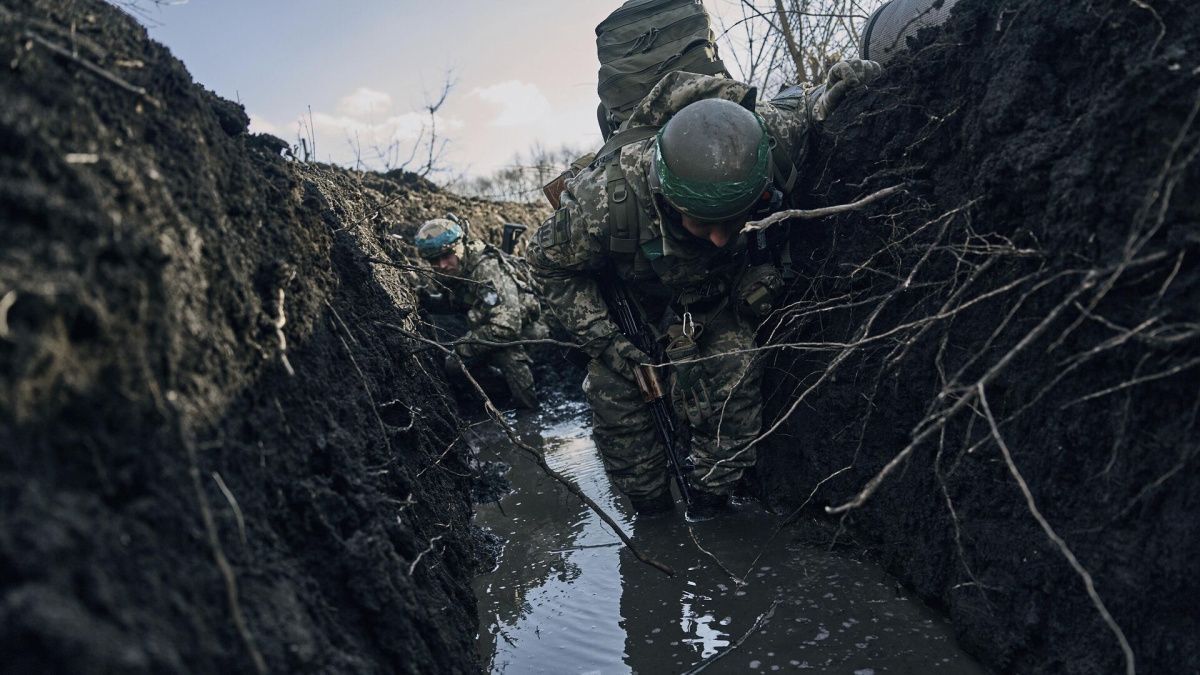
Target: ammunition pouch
757,290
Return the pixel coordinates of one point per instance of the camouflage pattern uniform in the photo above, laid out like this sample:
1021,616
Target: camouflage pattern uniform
501,306
665,270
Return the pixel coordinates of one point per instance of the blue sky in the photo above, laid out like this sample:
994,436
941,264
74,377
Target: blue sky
525,71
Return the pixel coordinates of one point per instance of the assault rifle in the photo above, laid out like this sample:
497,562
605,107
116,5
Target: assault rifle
648,380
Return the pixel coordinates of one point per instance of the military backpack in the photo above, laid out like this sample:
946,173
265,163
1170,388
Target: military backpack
643,40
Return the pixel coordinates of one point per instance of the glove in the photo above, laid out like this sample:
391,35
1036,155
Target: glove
843,77
621,356
758,288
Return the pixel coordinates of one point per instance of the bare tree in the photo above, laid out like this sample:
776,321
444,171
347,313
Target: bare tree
522,179
779,42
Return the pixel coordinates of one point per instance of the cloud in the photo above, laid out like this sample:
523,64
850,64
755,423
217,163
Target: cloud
520,103
259,125
363,127
365,102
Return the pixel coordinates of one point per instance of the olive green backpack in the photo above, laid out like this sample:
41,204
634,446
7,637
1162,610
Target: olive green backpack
642,41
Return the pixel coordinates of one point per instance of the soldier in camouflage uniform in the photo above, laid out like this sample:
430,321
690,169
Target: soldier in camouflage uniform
663,214
499,301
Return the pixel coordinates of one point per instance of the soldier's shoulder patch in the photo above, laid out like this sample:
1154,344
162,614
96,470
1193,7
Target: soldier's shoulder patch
490,298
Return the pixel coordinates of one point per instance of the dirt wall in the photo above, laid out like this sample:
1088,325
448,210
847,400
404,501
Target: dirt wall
1037,284
217,452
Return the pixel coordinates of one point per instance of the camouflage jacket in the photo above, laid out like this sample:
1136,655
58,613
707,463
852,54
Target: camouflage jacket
498,302
660,261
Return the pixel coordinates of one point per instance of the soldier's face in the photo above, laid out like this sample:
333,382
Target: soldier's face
718,234
447,264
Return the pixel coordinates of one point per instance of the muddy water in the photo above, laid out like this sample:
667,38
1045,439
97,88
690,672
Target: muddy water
567,598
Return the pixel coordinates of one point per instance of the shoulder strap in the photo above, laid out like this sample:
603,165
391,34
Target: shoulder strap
625,137
622,211
625,217
784,170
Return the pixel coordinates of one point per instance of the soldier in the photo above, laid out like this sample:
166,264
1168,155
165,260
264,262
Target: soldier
661,208
499,300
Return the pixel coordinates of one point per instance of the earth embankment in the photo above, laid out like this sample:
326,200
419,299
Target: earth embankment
1027,311
217,452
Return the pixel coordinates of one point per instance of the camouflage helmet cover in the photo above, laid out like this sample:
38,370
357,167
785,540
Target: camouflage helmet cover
713,160
437,237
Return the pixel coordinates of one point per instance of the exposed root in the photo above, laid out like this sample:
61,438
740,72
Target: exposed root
233,504
758,623
1130,668
811,214
6,303
515,439
279,323
214,541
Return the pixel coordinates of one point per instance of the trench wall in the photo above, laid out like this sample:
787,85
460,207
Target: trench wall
1035,292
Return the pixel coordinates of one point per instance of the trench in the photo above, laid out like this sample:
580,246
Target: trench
566,597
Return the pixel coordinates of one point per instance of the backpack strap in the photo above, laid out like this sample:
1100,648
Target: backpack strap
625,218
625,137
784,171
622,211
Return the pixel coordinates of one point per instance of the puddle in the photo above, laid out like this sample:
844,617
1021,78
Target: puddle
567,598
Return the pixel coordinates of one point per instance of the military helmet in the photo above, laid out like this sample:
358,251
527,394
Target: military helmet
437,237
713,160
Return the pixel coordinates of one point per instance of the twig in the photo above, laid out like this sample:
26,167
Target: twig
94,69
495,414
1134,382
214,541
412,567
790,519
810,214
758,623
367,388
233,503
738,581
1058,541
941,419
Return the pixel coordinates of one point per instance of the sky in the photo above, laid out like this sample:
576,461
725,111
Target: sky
523,72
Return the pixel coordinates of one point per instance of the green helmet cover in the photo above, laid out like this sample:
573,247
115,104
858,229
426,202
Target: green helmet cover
715,201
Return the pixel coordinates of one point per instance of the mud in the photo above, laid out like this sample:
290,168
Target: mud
218,453
1055,144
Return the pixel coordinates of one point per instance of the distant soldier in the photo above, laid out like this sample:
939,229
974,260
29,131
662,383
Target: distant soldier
498,298
660,210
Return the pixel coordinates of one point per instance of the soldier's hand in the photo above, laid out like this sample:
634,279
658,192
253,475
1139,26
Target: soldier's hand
621,356
844,76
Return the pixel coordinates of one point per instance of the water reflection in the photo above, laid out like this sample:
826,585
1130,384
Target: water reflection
565,599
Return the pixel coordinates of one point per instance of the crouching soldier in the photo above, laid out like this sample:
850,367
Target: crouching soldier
499,300
660,211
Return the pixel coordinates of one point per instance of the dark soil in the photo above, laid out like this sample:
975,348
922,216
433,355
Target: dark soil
172,497
1048,247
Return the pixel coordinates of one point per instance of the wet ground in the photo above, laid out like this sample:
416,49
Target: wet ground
566,597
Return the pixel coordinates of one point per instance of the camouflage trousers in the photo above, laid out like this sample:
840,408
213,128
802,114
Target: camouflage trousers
717,394
513,363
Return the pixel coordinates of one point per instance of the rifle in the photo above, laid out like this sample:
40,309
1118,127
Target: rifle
512,232
653,392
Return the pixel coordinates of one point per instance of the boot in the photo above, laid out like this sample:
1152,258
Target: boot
706,506
653,506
